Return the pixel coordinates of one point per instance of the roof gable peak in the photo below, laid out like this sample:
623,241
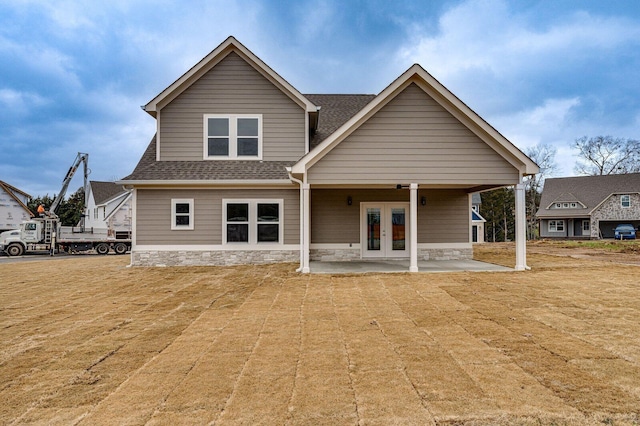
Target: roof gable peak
231,44
432,87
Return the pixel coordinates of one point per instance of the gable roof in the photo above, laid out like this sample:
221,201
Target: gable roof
211,60
12,190
105,191
418,75
590,191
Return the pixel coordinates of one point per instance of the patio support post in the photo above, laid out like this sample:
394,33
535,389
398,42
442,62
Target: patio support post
521,236
413,227
306,227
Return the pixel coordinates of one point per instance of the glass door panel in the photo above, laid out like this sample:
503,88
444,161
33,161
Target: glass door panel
398,228
373,228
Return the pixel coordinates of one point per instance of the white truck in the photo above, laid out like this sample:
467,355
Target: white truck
45,233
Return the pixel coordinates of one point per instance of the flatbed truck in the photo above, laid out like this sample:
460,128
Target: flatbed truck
47,235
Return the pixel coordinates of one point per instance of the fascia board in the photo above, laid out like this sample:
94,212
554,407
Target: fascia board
10,188
209,61
446,99
209,183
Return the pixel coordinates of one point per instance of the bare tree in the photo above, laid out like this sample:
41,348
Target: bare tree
544,156
606,155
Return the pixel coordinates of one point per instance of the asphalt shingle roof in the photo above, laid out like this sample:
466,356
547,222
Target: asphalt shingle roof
335,111
588,190
150,169
104,191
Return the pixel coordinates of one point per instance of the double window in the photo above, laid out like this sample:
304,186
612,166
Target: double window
236,136
182,214
625,201
556,226
252,221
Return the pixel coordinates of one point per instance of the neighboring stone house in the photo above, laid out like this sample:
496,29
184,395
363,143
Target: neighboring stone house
244,168
13,207
589,207
109,206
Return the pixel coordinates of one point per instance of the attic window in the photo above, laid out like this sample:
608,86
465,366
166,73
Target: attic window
236,136
625,201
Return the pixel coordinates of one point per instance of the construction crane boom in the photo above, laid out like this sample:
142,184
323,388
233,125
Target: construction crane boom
80,158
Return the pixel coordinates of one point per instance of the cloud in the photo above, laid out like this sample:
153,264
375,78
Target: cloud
537,80
16,103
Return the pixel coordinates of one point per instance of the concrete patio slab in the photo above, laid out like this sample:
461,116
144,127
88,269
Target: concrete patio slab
364,266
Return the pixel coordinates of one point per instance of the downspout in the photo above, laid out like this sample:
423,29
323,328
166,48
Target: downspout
299,182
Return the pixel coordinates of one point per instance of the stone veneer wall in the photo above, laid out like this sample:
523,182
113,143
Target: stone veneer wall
445,253
343,255
212,258
334,255
612,210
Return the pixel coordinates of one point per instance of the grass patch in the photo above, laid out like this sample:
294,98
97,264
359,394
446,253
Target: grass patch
614,246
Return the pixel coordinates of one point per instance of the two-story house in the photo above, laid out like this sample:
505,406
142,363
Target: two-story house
588,207
244,168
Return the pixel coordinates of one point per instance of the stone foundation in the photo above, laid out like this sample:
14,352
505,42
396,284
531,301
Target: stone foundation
445,253
346,255
334,255
212,258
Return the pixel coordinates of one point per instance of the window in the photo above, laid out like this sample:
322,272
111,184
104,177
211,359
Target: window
233,136
182,214
574,205
625,201
586,226
252,221
556,225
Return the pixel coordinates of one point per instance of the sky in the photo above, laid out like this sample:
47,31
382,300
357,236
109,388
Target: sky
73,74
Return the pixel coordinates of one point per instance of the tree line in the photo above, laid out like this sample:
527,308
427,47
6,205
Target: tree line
69,211
599,155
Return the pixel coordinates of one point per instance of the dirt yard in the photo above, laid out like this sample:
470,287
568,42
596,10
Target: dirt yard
86,340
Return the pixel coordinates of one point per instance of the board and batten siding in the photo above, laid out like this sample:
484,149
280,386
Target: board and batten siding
413,139
232,87
153,215
445,219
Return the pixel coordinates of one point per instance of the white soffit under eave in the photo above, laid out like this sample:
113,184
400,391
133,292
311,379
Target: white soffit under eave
215,56
417,74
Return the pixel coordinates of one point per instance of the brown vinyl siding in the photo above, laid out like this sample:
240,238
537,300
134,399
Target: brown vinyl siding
153,216
445,218
413,139
232,87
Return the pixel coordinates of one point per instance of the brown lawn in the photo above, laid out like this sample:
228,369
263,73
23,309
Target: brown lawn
86,340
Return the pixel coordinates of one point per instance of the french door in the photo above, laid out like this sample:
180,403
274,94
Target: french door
385,230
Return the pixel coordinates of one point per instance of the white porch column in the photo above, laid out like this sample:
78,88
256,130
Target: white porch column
306,227
521,233
413,227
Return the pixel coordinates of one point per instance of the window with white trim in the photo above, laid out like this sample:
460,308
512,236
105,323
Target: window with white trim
625,201
182,213
252,221
556,225
586,225
237,136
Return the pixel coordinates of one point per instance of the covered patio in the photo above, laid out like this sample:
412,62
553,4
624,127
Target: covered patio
402,265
